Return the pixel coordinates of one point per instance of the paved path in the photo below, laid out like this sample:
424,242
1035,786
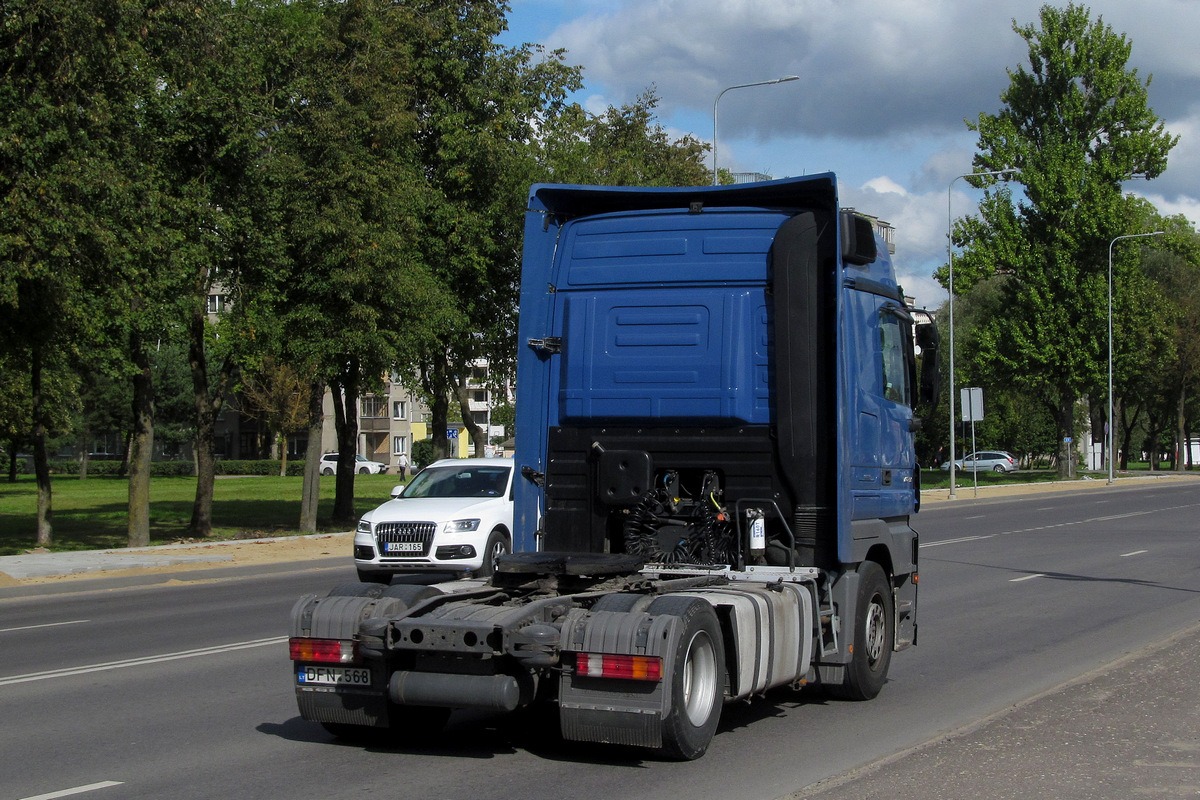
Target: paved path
1130,729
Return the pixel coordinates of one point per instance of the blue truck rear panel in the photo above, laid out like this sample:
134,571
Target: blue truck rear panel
711,326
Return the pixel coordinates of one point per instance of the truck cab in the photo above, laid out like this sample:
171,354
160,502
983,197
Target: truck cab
716,476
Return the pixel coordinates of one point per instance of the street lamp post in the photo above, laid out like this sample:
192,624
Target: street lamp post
784,79
1109,443
950,262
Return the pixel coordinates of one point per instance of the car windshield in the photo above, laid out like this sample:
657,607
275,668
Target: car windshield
454,481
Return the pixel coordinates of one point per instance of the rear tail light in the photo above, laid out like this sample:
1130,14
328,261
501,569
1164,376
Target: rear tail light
605,665
322,651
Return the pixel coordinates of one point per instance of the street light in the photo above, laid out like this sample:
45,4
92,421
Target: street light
784,79
1110,345
950,261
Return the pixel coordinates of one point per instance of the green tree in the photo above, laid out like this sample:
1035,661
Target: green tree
213,107
353,296
69,78
478,107
1173,265
277,395
624,146
1075,125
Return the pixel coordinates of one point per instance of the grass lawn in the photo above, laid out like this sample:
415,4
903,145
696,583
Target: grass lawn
938,479
92,514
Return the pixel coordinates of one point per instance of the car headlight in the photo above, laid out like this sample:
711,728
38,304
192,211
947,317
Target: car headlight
364,526
461,526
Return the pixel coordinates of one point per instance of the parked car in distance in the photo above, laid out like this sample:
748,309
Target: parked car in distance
994,460
362,465
456,515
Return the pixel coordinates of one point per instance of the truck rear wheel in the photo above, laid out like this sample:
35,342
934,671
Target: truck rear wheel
874,636
697,681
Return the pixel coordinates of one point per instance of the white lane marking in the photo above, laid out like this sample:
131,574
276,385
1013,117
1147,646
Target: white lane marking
44,625
977,516
137,662
1028,577
1134,553
1059,525
1120,516
956,541
91,787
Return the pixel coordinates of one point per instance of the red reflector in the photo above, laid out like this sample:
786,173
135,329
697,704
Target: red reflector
606,665
321,651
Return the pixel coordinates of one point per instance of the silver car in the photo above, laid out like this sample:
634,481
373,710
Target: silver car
985,460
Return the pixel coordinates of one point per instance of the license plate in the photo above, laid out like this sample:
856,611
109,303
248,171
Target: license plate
404,547
334,676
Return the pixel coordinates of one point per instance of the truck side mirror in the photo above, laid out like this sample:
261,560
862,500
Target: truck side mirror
858,239
928,339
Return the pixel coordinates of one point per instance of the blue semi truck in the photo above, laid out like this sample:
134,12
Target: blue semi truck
715,414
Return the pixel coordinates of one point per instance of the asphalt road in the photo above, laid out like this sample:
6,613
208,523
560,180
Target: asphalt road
183,689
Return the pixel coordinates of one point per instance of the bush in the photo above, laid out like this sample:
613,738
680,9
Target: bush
264,466
98,468
177,469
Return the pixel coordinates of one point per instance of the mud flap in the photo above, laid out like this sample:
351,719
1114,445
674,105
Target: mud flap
608,710
339,617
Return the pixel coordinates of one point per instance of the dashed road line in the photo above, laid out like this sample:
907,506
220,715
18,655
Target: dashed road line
1108,518
91,787
44,625
137,662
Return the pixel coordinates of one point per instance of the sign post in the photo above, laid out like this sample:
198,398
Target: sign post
972,410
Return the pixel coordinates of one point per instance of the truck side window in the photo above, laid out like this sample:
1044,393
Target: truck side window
896,385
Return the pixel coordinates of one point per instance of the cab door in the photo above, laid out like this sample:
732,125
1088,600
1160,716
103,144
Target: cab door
897,373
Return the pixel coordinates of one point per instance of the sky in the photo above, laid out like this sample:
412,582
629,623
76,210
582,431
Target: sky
884,89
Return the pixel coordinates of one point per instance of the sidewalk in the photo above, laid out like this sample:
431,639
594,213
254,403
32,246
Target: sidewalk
91,563
1128,729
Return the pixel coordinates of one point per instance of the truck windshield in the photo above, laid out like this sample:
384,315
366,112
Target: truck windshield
452,481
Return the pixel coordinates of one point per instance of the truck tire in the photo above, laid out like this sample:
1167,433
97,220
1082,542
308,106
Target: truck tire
697,680
874,636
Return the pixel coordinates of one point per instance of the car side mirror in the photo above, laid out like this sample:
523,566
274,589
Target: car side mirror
396,490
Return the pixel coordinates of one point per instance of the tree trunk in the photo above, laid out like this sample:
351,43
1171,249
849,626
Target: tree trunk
1181,429
85,457
311,490
439,414
207,406
345,421
1066,423
142,444
41,463
478,434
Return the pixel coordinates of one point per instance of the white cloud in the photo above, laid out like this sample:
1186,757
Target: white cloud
869,68
885,185
885,86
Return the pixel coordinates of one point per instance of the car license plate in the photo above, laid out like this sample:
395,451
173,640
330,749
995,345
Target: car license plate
334,676
404,547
